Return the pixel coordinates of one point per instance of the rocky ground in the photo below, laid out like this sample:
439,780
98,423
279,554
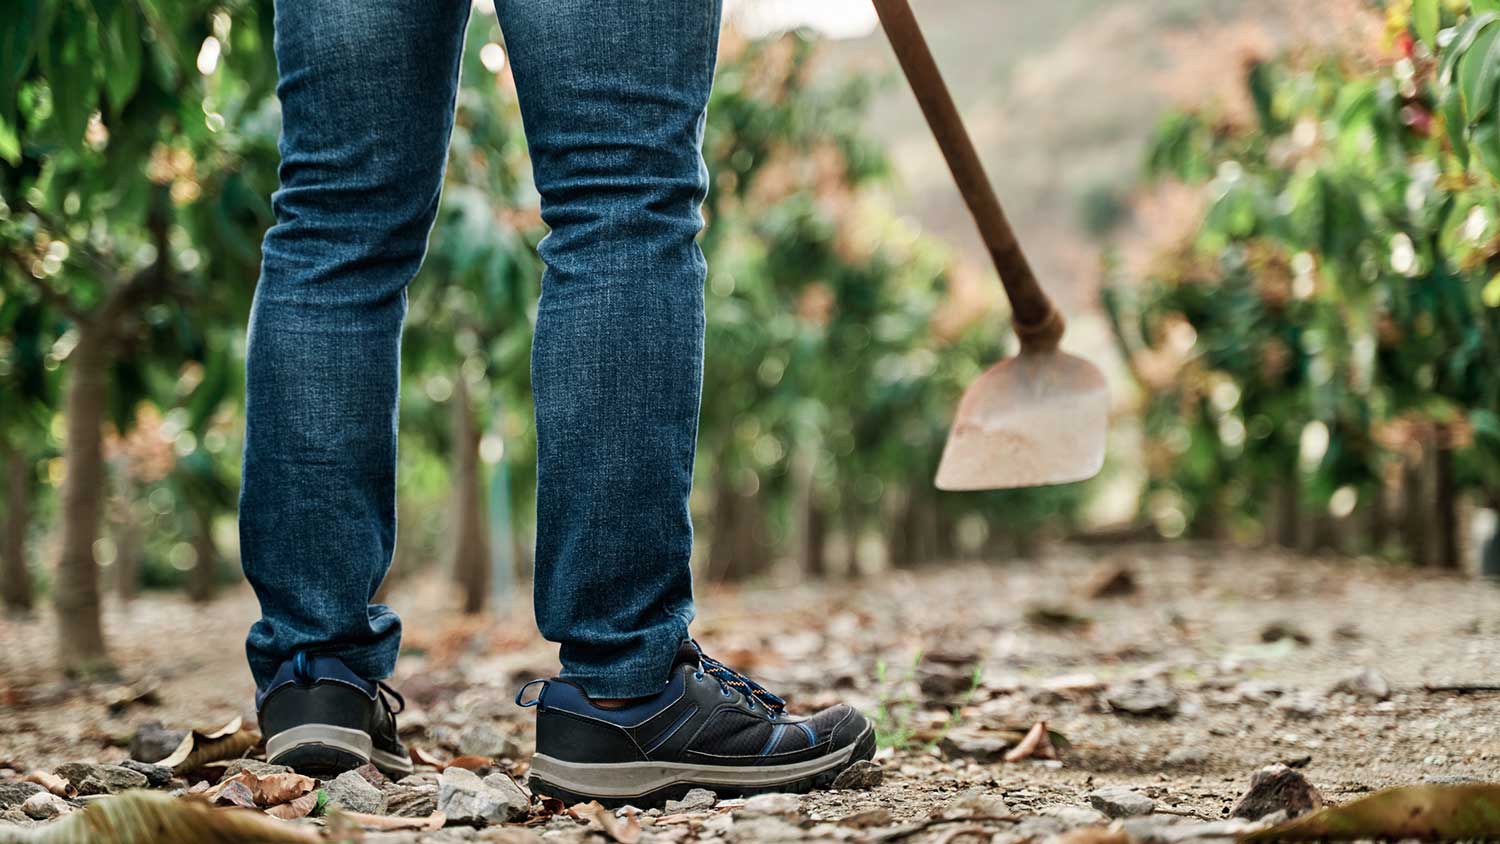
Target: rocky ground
1167,676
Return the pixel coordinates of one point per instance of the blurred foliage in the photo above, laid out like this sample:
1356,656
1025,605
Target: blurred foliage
138,147
1334,325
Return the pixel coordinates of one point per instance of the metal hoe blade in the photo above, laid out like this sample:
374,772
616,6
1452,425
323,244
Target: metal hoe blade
1034,419
1040,417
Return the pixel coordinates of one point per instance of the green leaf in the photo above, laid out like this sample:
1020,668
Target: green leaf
1485,84
1486,6
1472,73
1452,107
122,55
1463,39
1424,20
71,73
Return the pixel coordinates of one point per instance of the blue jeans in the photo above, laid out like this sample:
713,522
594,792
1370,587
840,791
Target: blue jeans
612,95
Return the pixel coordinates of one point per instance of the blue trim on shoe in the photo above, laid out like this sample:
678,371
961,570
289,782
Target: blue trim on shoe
776,733
672,730
305,669
563,695
812,736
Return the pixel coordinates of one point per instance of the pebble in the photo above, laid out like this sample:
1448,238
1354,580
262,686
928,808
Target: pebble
1075,816
484,740
696,800
789,805
256,767
966,745
469,801
1367,683
1143,699
411,801
16,793
157,776
1277,787
355,793
976,801
100,779
45,806
862,775
878,816
152,742
1187,756
1121,802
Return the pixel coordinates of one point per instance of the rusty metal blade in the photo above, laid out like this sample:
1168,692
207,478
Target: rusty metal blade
1035,419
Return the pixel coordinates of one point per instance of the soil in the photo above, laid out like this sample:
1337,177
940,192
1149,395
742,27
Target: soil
1248,647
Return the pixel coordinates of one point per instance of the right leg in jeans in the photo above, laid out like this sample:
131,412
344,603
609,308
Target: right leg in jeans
367,93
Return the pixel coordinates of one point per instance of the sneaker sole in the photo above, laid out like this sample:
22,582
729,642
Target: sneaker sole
649,784
323,749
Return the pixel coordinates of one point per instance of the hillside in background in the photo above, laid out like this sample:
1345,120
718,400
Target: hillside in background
1061,98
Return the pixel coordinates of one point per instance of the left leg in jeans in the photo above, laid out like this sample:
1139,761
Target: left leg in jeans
613,95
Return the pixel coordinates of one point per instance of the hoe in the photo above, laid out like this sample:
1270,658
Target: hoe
1039,417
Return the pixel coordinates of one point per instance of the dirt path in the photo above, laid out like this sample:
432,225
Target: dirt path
906,648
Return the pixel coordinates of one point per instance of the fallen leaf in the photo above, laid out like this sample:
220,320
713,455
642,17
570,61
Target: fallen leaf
236,793
423,757
265,791
471,763
387,823
298,808
123,697
1092,835
199,748
625,830
144,817
1428,812
53,783
1037,744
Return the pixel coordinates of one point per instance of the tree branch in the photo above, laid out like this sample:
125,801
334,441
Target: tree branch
48,293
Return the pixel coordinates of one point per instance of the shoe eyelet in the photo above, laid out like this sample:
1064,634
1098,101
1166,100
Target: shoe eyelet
723,691
698,675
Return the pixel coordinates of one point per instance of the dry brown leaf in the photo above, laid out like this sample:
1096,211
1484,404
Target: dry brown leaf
144,817
1092,835
1036,745
235,793
53,783
1467,812
423,757
298,808
386,823
625,830
471,763
199,748
264,791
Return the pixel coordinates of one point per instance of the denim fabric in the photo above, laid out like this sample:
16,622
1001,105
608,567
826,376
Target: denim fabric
612,95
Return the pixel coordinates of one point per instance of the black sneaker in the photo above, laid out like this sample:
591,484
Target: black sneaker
710,727
321,719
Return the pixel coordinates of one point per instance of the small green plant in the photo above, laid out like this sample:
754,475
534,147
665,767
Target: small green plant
895,714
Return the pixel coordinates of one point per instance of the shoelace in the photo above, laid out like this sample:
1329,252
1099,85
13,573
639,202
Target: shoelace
730,678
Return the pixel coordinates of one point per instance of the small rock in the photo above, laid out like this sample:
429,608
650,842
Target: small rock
372,775
45,806
1187,757
696,800
101,779
977,802
254,766
1277,787
152,742
1279,630
861,775
424,778
878,816
15,817
1300,705
1348,632
1121,802
1075,816
411,801
355,793
157,776
1366,683
469,801
788,805
1143,699
15,793
484,740
960,744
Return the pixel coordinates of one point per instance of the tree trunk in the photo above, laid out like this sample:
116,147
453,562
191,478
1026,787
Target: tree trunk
1376,519
739,549
129,542
15,577
812,521
80,631
1288,509
203,580
1445,501
1414,515
471,546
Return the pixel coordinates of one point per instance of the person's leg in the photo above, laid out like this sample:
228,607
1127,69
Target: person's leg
613,95
367,93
